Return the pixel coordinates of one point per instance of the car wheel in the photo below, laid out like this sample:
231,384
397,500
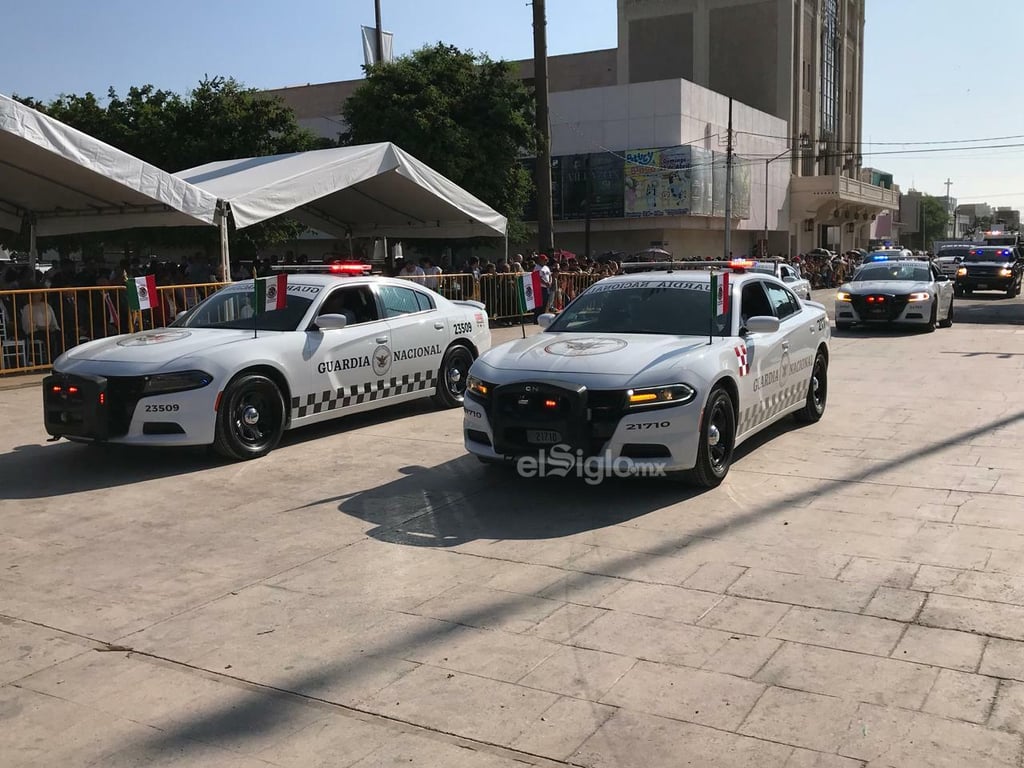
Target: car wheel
250,419
451,379
948,322
1011,292
958,291
933,318
817,392
717,441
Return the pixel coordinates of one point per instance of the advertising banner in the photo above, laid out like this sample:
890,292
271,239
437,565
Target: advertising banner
606,186
657,182
701,187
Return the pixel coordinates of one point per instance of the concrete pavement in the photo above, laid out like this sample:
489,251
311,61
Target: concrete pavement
368,595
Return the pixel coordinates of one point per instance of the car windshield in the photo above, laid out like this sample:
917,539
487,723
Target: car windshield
918,273
672,307
232,307
989,254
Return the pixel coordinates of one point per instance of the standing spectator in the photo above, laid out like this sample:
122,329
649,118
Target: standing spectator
541,266
432,273
39,323
410,271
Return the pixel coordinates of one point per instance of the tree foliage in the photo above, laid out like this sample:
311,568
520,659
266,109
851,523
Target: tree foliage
220,119
935,218
461,113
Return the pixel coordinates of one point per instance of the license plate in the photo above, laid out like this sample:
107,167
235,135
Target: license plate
542,436
981,285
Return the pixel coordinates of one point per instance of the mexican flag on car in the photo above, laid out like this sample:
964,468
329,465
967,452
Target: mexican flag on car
271,293
719,293
141,292
531,292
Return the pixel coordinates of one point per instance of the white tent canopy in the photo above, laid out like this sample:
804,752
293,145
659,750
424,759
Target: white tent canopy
368,190
66,181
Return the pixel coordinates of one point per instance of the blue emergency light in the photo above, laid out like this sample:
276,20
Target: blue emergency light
879,258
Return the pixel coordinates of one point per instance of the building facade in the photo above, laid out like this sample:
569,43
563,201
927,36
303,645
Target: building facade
794,70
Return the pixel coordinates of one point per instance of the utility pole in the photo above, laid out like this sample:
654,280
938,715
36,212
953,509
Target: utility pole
380,34
545,217
728,187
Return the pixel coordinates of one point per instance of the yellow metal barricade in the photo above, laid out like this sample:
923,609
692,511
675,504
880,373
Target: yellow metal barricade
38,324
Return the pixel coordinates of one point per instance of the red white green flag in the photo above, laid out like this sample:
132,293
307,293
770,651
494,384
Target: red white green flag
531,292
142,292
271,293
719,293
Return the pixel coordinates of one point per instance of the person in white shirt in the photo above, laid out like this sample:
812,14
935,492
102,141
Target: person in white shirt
411,271
545,282
432,272
39,324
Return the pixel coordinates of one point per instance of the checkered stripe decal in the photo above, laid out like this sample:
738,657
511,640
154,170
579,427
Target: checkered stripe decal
741,360
367,392
766,409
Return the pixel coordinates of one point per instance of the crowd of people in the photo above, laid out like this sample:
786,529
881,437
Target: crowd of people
79,303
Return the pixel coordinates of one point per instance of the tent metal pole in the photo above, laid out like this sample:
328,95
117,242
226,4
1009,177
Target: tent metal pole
33,254
225,256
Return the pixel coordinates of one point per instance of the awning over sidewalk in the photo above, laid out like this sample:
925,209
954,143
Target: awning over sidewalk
368,190
68,181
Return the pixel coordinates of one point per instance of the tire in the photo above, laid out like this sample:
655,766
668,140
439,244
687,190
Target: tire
817,392
932,320
250,420
1011,291
957,291
451,378
719,424
948,321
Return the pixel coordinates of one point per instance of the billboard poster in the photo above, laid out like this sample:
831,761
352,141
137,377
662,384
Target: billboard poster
741,188
606,190
640,183
530,210
701,192
657,182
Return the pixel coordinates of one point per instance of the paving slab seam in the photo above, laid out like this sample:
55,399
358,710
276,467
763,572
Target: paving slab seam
876,483
348,710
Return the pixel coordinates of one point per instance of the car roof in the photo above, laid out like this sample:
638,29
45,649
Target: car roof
329,280
692,275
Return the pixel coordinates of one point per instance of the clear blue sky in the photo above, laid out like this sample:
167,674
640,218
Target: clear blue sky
934,70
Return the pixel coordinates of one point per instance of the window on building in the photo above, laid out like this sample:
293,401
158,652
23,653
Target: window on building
830,68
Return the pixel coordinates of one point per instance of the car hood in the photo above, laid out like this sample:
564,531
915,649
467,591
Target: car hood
969,264
612,354
886,286
158,347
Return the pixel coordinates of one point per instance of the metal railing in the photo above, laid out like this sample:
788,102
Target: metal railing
38,324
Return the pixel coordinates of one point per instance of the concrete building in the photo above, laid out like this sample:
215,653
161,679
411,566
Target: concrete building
1006,216
794,70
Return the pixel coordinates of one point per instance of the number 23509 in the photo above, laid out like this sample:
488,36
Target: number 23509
163,408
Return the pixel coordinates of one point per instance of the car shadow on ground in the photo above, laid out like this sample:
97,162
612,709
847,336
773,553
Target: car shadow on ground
989,309
46,470
499,502
876,332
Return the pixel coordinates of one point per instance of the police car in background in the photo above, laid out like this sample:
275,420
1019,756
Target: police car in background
787,273
895,290
221,375
990,268
645,369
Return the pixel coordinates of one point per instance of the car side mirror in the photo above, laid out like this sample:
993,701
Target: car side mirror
762,324
180,315
545,320
330,322
942,278
788,279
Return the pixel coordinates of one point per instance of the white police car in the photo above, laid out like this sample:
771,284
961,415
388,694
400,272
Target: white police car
221,375
900,290
642,370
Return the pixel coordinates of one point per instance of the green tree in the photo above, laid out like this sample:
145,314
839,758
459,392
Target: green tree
461,113
935,218
220,119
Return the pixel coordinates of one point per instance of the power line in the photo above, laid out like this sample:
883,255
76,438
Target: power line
887,143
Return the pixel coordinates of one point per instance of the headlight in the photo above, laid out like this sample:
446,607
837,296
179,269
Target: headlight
1004,272
672,394
843,296
920,296
478,387
164,383
961,272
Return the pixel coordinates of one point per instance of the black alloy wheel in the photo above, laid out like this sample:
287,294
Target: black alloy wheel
451,379
817,392
251,417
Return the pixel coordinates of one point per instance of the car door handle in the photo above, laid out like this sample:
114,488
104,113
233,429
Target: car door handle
439,326
382,339
785,345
